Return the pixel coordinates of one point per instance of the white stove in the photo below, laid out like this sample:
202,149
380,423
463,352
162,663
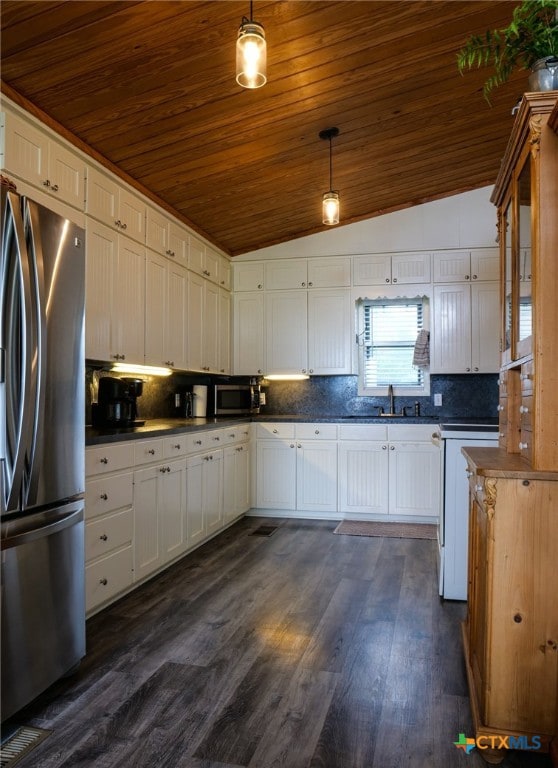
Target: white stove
454,521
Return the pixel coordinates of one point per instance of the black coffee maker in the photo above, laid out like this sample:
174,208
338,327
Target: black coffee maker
117,403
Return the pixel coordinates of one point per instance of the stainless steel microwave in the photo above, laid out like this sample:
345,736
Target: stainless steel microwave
236,399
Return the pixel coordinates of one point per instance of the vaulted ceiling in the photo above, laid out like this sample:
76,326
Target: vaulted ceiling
150,87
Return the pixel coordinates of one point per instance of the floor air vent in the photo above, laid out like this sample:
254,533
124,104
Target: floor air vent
20,744
264,530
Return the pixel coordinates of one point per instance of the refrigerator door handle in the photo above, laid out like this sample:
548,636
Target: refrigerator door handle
33,529
16,321
38,320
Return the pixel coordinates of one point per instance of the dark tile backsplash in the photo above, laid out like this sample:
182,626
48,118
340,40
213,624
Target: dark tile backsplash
463,396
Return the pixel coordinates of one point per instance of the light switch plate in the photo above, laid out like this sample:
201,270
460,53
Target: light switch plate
437,399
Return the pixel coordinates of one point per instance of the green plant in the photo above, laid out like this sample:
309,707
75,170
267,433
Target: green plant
531,35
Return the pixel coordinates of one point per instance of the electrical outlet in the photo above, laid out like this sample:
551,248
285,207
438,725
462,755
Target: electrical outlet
437,399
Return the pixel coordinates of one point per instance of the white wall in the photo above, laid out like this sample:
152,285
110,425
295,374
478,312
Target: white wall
461,221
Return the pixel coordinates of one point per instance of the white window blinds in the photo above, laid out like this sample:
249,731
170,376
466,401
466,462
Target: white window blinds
388,334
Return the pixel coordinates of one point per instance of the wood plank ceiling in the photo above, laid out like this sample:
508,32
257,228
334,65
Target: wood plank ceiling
151,87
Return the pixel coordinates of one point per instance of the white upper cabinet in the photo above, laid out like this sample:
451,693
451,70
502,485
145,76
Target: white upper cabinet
224,331
329,332
286,332
329,272
115,296
465,328
248,276
114,205
465,266
379,269
224,273
166,237
203,260
286,274
211,266
33,156
248,333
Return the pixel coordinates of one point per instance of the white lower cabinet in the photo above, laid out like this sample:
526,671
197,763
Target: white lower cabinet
357,470
398,472
109,524
297,467
160,516
148,502
363,473
236,481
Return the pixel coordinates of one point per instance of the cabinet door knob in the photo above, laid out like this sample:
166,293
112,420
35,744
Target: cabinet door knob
197,442
474,277
274,431
523,446
177,446
316,431
468,473
392,447
394,280
291,445
103,460
55,188
384,447
104,582
467,277
103,537
478,488
260,286
104,497
46,183
124,226
151,451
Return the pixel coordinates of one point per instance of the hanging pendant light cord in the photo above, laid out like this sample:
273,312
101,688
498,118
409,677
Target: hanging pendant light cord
330,167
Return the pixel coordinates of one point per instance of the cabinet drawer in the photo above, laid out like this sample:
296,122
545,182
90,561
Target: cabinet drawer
284,431
527,378
526,412
145,453
316,431
108,533
108,458
363,432
106,494
503,383
107,577
411,432
175,446
233,435
526,444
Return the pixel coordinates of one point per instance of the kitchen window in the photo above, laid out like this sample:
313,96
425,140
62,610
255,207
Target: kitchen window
387,333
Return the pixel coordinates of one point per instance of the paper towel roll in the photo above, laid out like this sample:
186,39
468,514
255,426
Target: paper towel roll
200,400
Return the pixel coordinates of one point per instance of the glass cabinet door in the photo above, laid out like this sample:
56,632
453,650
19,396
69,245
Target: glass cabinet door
506,245
524,319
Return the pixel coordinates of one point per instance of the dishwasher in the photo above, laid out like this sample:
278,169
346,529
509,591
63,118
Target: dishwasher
453,530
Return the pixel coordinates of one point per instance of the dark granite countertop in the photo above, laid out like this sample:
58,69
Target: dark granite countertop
157,428
171,426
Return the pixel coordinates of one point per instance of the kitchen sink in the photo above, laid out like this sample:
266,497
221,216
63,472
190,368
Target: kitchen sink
377,416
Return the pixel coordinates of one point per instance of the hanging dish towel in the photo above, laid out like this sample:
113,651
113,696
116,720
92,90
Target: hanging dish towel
421,357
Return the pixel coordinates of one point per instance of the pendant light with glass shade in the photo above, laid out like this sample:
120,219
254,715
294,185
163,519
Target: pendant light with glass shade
251,54
330,201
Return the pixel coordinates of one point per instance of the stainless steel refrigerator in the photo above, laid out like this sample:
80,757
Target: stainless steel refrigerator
42,472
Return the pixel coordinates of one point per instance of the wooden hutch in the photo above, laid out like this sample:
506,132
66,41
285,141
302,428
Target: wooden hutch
511,631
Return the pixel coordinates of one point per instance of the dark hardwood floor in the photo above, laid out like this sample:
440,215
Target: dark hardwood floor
304,649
